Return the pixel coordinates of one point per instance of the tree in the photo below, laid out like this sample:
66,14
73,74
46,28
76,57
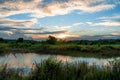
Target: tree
20,40
52,40
1,39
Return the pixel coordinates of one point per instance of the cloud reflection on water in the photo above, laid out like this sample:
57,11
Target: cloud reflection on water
28,59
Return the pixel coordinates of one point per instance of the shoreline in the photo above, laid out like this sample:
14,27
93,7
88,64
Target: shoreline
101,53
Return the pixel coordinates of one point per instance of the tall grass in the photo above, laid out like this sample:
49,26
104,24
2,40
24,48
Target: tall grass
56,70
52,70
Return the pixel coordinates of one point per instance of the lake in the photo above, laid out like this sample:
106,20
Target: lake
27,59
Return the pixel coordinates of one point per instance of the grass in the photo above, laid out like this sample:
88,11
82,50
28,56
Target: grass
52,70
72,49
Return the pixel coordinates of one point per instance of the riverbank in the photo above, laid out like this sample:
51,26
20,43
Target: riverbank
62,49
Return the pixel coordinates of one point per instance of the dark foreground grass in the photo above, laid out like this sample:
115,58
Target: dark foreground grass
52,70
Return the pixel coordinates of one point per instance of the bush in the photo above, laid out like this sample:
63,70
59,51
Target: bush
52,40
20,40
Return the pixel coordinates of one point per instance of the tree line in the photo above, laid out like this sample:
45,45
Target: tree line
54,40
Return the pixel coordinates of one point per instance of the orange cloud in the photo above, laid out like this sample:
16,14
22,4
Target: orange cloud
40,36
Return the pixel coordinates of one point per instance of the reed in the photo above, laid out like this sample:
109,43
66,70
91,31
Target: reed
56,70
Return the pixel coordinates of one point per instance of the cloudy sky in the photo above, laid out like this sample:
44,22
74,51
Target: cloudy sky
70,19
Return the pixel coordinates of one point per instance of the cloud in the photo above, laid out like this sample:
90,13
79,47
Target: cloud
66,6
42,8
116,16
96,37
90,23
115,33
113,20
17,23
39,37
31,30
107,23
78,24
27,32
62,27
41,34
4,28
8,32
11,7
110,37
13,35
46,32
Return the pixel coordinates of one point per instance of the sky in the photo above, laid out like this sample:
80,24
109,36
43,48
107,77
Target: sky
68,19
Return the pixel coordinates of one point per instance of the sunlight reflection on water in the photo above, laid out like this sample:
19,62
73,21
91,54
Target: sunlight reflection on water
27,60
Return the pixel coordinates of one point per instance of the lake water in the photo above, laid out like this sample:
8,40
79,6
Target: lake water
26,60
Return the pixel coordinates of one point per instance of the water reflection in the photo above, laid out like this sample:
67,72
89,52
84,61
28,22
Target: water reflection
28,59
63,58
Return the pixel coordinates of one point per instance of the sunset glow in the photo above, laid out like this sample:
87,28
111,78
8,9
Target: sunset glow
62,36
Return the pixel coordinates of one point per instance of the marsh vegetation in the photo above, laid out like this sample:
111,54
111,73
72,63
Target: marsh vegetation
53,45
56,70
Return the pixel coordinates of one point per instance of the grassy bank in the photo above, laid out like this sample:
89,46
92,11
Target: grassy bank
108,50
52,45
52,70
